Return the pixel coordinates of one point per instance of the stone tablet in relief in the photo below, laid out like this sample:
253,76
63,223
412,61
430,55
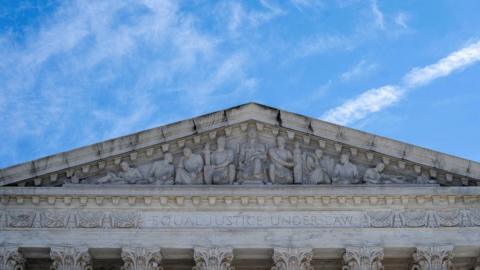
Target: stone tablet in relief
345,171
127,175
220,167
280,169
189,169
315,173
162,171
253,155
376,176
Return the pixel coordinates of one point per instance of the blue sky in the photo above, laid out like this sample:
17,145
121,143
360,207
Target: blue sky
74,73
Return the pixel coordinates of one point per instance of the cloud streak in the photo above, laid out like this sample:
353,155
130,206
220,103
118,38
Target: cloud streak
374,100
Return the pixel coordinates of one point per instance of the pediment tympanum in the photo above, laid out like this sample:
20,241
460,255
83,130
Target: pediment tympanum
249,144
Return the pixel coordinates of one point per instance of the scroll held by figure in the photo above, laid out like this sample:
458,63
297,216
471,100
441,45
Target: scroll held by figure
189,169
253,156
220,166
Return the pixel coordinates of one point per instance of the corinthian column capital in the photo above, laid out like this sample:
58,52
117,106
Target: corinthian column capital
292,259
141,258
11,259
363,258
70,258
213,258
433,258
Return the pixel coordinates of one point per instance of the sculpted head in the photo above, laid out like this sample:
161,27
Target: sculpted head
168,157
187,152
281,141
124,166
318,153
221,141
344,158
380,167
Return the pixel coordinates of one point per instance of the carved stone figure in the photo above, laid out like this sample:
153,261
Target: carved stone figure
220,168
298,164
189,169
280,169
433,258
425,179
363,258
70,258
11,259
162,171
215,258
127,175
376,176
292,259
141,259
253,155
315,173
345,171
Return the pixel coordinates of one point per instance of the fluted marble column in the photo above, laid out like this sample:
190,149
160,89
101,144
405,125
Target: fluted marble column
292,259
213,258
70,258
11,259
363,258
433,258
141,258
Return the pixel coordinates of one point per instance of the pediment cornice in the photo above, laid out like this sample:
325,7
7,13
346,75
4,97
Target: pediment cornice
149,145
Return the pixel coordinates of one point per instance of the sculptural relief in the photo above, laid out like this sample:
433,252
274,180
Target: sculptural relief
220,167
376,176
345,171
315,173
162,171
189,169
127,175
253,155
281,166
298,164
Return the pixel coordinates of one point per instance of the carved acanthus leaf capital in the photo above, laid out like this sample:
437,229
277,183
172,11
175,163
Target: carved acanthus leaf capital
213,258
70,258
141,259
433,258
292,259
11,259
363,258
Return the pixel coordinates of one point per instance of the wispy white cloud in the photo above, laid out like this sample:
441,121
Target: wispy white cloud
359,70
368,102
378,15
324,43
401,19
374,100
454,61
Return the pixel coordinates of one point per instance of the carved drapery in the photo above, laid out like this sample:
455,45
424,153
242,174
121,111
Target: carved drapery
70,258
141,259
363,258
433,258
213,258
292,259
11,259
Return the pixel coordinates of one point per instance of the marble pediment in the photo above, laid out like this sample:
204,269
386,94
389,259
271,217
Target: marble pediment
251,144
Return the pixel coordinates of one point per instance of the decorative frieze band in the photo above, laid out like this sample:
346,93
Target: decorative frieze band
292,259
363,258
94,219
213,258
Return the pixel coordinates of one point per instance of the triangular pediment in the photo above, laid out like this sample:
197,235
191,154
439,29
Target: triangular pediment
316,152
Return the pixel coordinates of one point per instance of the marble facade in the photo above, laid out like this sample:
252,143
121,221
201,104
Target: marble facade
250,187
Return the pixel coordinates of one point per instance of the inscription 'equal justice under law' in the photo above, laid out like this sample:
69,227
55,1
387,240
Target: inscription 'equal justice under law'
261,220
